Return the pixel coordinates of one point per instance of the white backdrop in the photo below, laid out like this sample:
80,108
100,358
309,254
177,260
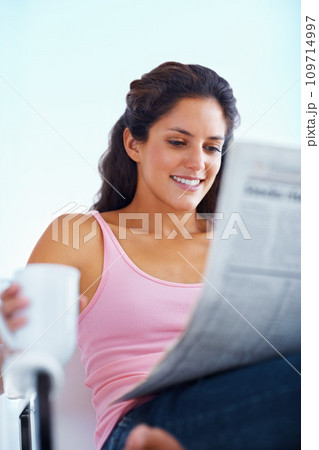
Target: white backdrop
65,70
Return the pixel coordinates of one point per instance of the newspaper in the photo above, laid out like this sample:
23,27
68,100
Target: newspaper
250,306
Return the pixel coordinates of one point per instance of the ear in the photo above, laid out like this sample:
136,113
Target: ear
131,145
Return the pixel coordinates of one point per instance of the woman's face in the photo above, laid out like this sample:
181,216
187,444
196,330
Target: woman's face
178,163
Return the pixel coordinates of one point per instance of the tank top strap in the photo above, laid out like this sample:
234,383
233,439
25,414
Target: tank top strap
112,249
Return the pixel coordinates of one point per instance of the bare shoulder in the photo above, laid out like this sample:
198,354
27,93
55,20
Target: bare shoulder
111,217
70,239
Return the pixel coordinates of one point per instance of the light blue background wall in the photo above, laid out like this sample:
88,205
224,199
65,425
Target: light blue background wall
72,62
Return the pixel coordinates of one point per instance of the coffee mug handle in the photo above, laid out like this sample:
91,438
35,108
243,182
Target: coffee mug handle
5,332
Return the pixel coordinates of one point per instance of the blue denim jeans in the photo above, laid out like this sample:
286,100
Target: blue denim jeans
252,407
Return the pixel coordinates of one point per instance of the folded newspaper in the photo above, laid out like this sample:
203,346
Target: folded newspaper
250,305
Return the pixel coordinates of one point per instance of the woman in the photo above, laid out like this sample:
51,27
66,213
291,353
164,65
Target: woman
162,167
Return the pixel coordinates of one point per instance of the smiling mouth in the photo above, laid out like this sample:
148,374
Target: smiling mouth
188,182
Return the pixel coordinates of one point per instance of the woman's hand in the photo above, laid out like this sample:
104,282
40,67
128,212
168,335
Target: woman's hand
84,301
144,437
12,303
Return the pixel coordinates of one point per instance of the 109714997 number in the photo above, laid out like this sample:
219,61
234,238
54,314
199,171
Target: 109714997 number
310,52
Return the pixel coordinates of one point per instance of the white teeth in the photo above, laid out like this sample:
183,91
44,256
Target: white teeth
188,182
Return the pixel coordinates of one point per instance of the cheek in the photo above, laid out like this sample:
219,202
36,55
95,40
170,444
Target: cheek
214,167
213,171
218,166
162,159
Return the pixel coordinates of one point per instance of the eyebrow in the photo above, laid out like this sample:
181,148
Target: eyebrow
180,130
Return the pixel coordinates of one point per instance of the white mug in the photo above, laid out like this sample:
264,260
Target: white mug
51,327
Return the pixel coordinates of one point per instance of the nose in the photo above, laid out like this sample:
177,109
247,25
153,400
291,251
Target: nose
195,158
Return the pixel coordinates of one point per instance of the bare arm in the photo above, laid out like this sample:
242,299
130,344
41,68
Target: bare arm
56,246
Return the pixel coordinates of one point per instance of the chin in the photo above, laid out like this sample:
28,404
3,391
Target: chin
187,206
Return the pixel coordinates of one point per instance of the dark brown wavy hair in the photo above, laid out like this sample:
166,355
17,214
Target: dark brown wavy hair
149,99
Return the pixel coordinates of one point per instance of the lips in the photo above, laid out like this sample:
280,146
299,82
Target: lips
187,184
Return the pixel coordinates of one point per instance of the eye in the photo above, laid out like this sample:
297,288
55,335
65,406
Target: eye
176,143
212,149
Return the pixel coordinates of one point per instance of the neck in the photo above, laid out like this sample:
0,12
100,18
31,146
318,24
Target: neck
160,220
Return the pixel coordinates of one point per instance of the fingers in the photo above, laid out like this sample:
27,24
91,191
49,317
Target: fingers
14,323
14,304
84,301
11,306
144,437
13,289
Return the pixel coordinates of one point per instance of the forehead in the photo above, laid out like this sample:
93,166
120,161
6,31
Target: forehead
200,117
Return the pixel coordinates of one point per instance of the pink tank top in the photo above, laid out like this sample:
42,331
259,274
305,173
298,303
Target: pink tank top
125,329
